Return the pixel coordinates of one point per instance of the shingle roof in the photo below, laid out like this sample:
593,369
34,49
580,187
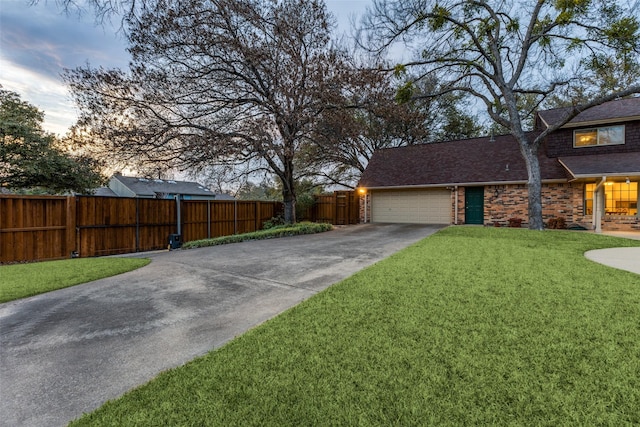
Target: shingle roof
598,165
104,192
477,160
614,111
150,187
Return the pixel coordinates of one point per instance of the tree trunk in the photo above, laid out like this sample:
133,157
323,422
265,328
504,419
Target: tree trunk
534,185
289,199
289,194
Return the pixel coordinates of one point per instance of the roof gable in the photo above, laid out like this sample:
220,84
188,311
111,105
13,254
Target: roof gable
621,110
471,161
144,187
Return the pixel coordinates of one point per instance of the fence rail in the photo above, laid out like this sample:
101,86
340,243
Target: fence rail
36,228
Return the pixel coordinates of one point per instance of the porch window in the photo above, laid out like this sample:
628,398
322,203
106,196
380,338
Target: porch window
620,198
610,135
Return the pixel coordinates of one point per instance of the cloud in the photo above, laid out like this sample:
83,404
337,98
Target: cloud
42,37
38,42
48,94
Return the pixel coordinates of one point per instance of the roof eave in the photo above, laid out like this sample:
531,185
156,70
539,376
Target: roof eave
607,174
459,184
571,125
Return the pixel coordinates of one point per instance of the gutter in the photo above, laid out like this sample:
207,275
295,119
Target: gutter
459,184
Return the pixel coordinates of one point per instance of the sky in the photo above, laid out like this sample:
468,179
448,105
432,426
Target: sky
37,42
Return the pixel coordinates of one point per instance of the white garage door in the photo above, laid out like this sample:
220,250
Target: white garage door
416,207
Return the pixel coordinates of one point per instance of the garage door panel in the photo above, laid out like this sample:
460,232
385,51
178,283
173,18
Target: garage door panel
418,207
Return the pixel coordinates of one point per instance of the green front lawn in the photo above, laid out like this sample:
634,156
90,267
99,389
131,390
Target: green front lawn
25,280
472,326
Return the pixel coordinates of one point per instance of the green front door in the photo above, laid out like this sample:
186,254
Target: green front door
474,205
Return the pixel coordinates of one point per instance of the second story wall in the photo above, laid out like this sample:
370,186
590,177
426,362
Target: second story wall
561,144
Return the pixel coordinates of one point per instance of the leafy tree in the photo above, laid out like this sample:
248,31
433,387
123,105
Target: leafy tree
511,56
30,157
265,190
372,117
215,82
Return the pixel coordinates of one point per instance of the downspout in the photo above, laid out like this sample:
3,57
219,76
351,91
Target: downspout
455,215
597,210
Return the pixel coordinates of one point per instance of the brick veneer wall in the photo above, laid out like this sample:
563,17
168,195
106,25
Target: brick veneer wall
503,202
365,205
564,200
461,213
561,200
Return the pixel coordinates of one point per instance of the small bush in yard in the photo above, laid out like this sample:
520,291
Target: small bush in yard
276,221
515,222
557,223
277,231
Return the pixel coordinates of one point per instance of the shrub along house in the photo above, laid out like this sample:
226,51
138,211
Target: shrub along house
590,170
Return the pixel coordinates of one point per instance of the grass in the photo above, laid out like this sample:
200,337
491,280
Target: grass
472,326
25,280
271,233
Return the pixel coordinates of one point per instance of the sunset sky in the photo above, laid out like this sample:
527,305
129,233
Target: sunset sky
38,42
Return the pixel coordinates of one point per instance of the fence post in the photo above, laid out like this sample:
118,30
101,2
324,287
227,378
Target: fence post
235,216
137,224
208,219
257,217
71,244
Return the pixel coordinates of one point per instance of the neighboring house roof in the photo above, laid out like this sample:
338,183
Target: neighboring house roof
471,161
598,165
145,187
104,192
614,111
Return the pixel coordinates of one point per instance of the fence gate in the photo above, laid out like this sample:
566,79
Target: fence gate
339,208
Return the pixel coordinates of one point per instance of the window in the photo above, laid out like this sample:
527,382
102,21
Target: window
611,135
620,198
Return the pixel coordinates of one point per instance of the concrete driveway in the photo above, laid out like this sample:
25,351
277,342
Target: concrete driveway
68,351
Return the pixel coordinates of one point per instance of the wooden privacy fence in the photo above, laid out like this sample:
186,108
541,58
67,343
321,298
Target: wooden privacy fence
339,208
36,228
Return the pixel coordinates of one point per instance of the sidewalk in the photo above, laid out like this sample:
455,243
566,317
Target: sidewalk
622,258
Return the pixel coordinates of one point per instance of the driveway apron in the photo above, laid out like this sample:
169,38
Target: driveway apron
67,352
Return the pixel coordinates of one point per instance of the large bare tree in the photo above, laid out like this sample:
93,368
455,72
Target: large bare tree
371,117
215,82
508,54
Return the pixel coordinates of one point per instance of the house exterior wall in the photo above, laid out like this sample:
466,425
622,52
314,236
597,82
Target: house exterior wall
365,207
505,202
461,212
120,189
560,142
559,200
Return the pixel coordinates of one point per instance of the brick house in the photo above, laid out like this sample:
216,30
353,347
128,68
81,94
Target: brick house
590,171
